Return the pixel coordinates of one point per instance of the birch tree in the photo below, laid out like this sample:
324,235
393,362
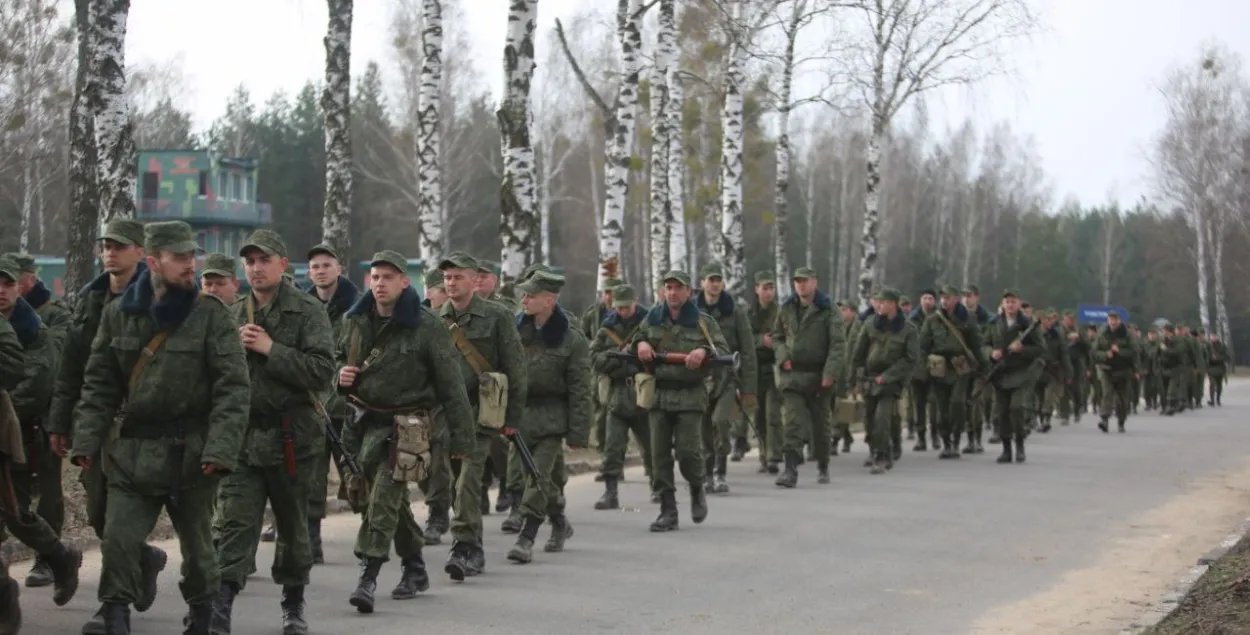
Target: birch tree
678,249
336,107
83,177
429,145
1110,250
517,197
913,46
118,159
728,247
662,204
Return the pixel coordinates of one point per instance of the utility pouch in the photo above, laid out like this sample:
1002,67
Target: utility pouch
937,366
412,447
492,400
961,365
644,390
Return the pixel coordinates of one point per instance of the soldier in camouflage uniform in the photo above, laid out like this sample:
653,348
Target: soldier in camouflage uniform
435,292
732,393
950,345
624,415
408,377
486,333
842,429
924,419
1116,358
1015,342
888,349
980,409
763,318
681,395
590,320
12,371
1202,363
808,344
557,409
1070,404
499,464
1095,386
1058,370
290,357
1217,369
185,417
438,489
1173,357
218,278
31,394
1150,369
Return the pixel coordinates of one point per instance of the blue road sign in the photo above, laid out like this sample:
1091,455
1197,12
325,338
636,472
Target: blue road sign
1097,313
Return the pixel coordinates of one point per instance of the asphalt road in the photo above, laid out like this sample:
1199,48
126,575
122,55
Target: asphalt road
924,549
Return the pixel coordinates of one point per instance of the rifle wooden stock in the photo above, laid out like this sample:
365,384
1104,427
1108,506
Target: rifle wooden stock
679,359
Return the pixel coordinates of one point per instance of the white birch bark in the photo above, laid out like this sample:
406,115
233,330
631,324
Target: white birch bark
678,246
662,217
518,216
872,215
28,204
117,160
336,112
781,186
429,143
620,149
1199,223
544,217
83,177
729,248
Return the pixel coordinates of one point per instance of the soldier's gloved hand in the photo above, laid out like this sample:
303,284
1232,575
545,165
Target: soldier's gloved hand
748,402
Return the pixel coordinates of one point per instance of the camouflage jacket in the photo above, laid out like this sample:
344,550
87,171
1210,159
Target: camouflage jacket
917,319
345,295
887,348
677,388
735,327
1058,363
491,329
1126,361
811,339
33,391
1219,356
1018,369
852,341
762,321
1079,350
12,357
557,356
55,315
408,362
592,317
622,401
1202,354
298,367
195,386
508,303
77,348
936,338
1173,355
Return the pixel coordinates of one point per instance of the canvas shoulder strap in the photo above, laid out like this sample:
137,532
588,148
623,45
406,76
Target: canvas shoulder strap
474,357
708,336
616,339
959,337
146,356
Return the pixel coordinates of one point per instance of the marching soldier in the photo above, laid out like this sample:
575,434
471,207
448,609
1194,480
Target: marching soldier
887,349
923,418
590,320
950,343
499,464
1173,357
1073,400
808,344
1150,370
842,428
678,397
732,393
435,292
763,318
1217,370
1095,386
557,409
492,367
624,415
412,413
12,450
1116,358
1057,372
1202,356
1139,350
218,278
54,314
186,403
980,410
30,392
1015,344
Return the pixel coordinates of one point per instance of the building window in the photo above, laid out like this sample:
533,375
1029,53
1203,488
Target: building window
203,183
245,188
201,238
221,185
151,186
237,188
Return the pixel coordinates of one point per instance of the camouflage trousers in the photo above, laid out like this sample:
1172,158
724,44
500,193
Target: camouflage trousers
466,523
880,419
1117,394
1178,386
951,406
1150,388
616,441
675,433
922,413
241,498
768,420
439,486
50,505
317,487
716,423
544,491
1011,406
26,525
1073,395
1216,384
1199,386
95,486
805,418
387,518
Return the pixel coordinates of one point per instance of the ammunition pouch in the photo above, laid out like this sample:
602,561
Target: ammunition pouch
492,400
644,390
937,366
962,365
412,447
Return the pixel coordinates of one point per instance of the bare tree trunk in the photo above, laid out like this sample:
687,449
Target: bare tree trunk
781,185
544,217
619,151
1217,271
336,111
28,203
39,203
518,215
729,248
678,247
1199,222
974,221
429,143
117,159
809,218
84,217
872,215
661,202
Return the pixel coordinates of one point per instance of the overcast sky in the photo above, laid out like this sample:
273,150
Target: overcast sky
1086,89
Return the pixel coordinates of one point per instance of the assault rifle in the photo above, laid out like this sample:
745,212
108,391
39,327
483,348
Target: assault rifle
988,378
679,359
522,449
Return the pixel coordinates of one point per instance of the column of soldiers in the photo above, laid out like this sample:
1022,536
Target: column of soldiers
213,407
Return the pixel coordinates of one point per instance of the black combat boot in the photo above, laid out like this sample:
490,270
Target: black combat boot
114,618
502,501
314,541
1120,421
413,580
65,562
221,611
609,500
10,608
698,504
667,521
774,467
1005,457
1168,408
741,447
971,446
476,561
719,485
270,533
948,449
709,474
293,610
877,463
822,472
436,525
362,598
789,476
199,619
457,566
561,530
40,574
1045,424
922,444
485,500
1103,424
1020,449
523,551
512,524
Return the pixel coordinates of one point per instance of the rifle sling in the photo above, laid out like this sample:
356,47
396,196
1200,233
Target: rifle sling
958,336
474,357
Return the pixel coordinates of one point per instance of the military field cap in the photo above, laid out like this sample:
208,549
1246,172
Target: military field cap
804,273
392,258
9,269
218,265
612,283
456,260
623,295
1069,313
1167,326
266,240
678,276
530,270
25,262
973,289
924,292
542,281
173,236
488,266
323,248
1008,293
712,270
1051,312
434,279
764,277
1025,305
1111,312
951,290
903,299
126,231
888,294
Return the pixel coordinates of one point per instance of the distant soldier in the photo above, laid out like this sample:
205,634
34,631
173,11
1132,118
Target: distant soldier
1173,356
732,393
498,462
1202,364
1188,365
923,418
1116,360
1217,369
680,394
1139,349
435,292
950,344
186,406
1095,386
1058,370
768,428
1014,341
980,414
1150,370
808,344
887,349
1073,400
412,409
55,314
842,428
218,278
590,320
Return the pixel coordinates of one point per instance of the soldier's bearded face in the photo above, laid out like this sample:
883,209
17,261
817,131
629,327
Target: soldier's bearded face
949,302
323,270
119,258
459,283
676,294
264,272
221,286
8,294
174,270
766,292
